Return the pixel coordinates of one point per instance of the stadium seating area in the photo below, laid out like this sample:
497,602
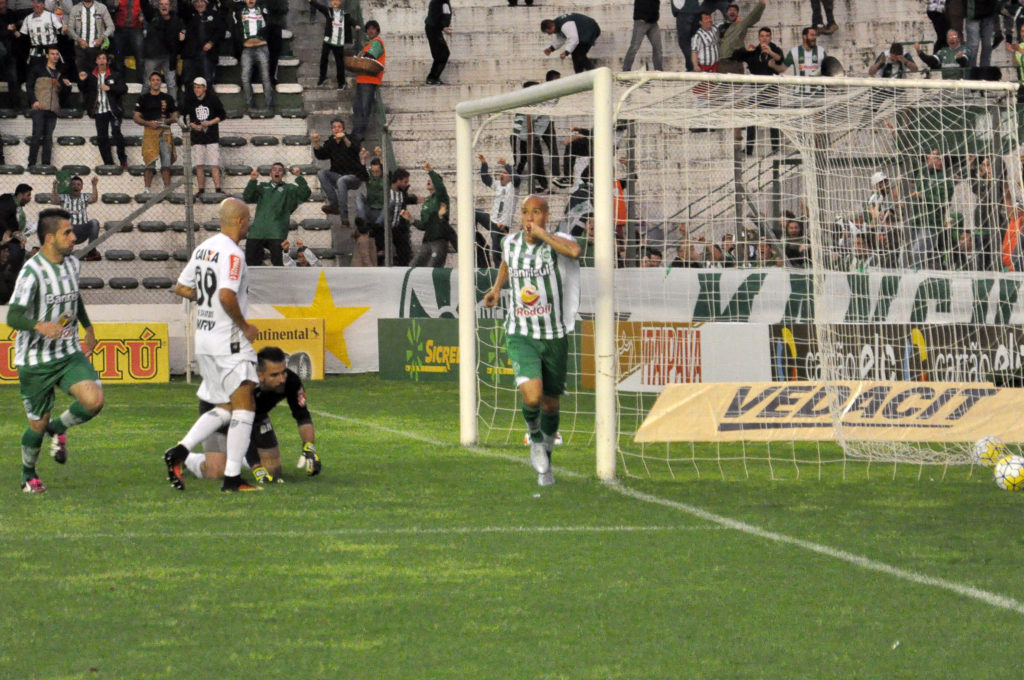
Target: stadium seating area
494,49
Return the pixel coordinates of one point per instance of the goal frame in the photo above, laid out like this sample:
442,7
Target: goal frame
599,82
606,103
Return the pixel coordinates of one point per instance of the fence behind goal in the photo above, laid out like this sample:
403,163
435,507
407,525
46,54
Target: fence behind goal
857,239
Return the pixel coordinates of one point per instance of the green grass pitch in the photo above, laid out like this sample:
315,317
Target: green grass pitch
411,557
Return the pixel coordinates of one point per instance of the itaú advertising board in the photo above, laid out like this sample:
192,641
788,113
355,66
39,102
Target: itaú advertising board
125,352
654,354
866,411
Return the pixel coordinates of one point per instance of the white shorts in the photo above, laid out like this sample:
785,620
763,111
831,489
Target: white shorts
206,154
223,374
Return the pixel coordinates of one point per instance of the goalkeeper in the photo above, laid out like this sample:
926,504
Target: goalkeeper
277,383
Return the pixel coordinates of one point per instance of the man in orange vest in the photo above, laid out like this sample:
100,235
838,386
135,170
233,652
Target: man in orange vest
366,86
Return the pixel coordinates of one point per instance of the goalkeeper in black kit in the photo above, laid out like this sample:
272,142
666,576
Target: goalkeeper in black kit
277,383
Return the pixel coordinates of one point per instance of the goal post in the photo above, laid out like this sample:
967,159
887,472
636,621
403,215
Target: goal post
849,249
599,83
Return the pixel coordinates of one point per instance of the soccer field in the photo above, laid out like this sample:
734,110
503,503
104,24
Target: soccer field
411,557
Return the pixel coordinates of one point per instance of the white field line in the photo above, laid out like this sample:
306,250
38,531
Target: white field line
963,589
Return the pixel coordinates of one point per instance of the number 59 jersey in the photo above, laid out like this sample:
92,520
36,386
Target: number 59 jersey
215,264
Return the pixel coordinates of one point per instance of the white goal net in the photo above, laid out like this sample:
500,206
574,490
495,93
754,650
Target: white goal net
843,248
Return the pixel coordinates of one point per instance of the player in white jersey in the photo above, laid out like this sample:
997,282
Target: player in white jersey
544,272
46,309
216,279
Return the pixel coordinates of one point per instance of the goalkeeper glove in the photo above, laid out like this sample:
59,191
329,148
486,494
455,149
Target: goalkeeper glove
309,460
263,476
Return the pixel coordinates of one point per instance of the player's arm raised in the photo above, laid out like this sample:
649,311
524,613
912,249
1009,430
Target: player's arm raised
229,301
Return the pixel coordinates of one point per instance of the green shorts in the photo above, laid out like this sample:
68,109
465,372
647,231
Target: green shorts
547,360
37,382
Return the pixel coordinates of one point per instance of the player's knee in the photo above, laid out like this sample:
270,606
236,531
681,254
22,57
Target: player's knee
92,400
221,414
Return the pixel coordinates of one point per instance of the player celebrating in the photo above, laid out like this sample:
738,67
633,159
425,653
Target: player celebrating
46,309
216,279
544,272
277,382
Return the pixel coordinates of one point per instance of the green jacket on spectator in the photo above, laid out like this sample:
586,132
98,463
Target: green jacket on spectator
275,203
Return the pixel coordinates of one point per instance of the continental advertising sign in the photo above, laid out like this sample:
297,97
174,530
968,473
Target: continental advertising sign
867,411
418,349
949,352
301,339
124,353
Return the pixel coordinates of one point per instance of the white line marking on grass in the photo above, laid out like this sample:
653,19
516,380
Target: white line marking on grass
408,531
963,589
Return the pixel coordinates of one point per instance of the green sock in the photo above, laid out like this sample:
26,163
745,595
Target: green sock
31,441
532,416
549,427
75,415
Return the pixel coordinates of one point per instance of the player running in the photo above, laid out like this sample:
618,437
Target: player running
46,309
544,272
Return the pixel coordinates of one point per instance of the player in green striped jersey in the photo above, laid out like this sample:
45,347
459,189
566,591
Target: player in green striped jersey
543,270
46,309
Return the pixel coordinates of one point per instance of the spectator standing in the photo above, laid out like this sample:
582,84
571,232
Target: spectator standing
764,59
337,31
366,86
89,26
253,25
936,11
951,56
705,46
686,13
277,21
103,88
204,112
987,211
12,61
156,111
433,222
806,59
933,192
830,26
733,34
43,29
370,206
345,173
165,32
981,22
1016,50
275,201
13,221
645,25
795,246
575,34
503,206
45,85
437,24
893,64
128,36
77,204
203,32
399,221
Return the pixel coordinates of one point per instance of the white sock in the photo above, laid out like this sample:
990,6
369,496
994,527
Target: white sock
194,463
239,433
205,425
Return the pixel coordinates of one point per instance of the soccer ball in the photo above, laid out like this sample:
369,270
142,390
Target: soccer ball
1009,473
987,451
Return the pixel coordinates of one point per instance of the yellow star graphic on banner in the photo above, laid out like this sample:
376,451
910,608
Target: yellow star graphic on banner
336,319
